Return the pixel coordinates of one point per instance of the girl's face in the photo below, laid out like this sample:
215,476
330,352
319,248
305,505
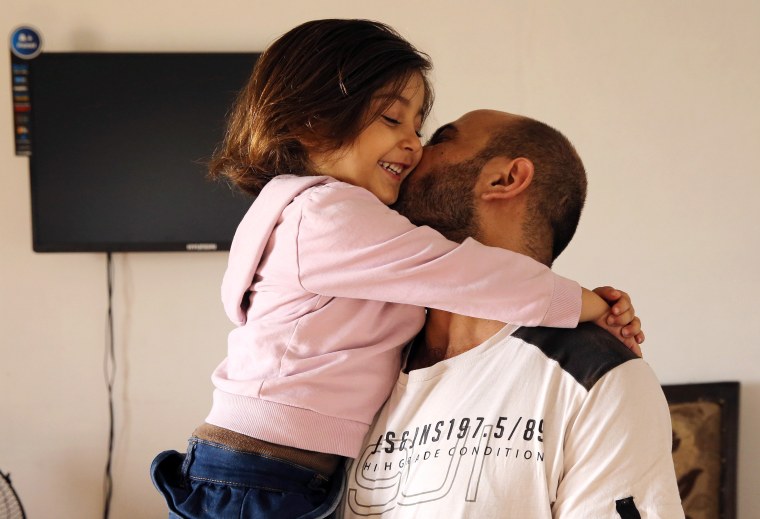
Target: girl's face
385,151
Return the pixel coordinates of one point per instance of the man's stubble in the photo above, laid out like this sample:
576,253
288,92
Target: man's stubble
443,199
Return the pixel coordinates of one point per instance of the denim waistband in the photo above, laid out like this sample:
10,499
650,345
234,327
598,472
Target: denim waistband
213,462
324,463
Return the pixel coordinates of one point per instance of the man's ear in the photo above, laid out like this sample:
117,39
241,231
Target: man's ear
504,178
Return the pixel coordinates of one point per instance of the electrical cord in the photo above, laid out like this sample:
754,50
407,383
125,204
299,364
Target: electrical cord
109,370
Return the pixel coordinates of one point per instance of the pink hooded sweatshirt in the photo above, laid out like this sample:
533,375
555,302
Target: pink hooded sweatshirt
327,285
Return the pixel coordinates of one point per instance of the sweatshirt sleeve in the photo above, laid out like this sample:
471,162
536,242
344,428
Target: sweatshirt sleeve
351,245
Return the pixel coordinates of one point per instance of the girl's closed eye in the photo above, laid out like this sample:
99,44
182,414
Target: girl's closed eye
396,122
391,120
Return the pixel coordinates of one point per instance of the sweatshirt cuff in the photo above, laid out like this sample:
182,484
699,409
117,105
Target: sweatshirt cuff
565,307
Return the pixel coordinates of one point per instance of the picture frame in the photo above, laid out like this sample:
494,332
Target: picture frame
705,419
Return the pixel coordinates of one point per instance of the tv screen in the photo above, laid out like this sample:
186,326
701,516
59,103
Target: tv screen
120,144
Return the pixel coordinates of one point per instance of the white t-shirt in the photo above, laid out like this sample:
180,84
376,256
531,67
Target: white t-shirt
533,423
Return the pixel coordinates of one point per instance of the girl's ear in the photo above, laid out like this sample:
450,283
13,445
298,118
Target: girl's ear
504,178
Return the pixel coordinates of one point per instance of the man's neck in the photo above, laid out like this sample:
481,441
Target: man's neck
447,335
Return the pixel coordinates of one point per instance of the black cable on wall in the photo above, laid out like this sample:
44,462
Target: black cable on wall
109,370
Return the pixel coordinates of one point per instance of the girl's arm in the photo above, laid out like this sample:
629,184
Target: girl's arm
593,307
351,245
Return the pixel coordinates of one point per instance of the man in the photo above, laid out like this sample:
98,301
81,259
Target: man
491,420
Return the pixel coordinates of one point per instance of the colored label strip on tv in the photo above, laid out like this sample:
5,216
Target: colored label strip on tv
25,45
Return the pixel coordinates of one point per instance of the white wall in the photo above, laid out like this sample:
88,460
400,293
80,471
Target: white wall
659,97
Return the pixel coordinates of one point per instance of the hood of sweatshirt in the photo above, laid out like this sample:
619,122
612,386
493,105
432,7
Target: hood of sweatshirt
251,238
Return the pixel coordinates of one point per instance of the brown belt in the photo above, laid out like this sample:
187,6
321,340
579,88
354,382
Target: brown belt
321,462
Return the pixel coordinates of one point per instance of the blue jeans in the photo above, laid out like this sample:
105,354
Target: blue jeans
215,481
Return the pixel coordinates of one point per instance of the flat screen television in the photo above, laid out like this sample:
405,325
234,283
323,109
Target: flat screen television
119,150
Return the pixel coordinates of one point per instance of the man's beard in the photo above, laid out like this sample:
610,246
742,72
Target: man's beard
443,199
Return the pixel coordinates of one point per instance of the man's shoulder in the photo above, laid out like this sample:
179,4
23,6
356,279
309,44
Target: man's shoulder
587,352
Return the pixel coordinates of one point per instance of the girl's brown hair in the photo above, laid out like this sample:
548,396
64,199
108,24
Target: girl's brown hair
312,90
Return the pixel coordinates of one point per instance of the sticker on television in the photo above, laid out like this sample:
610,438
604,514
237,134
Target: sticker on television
26,43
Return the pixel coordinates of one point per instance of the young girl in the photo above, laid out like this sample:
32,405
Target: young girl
325,282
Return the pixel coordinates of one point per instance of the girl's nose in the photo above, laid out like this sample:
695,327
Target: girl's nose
412,141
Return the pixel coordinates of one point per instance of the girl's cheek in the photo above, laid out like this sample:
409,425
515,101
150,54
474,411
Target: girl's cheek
417,158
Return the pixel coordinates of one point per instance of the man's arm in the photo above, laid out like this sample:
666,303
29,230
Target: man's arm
617,452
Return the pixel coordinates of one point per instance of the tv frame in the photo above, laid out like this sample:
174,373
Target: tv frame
134,244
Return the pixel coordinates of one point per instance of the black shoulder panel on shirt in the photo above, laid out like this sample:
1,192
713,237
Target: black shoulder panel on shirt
586,352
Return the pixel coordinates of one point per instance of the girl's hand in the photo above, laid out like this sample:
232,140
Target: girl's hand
621,319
